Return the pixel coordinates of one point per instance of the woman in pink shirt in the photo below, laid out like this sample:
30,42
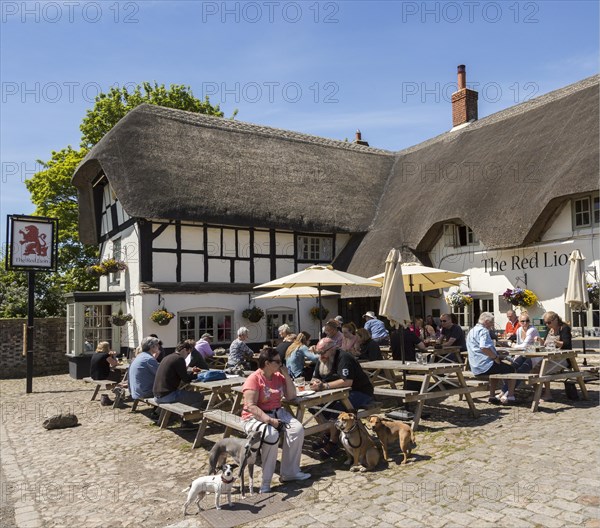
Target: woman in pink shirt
262,410
349,339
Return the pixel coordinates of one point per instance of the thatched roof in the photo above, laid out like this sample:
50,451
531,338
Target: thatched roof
171,164
505,176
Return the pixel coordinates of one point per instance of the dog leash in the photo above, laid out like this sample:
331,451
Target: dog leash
348,438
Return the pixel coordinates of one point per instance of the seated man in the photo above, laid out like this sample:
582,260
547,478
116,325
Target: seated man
337,369
240,353
143,368
171,373
195,358
377,329
483,358
453,334
410,341
203,346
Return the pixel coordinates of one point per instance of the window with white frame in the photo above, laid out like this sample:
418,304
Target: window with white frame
586,212
456,235
314,249
276,318
114,278
461,313
218,325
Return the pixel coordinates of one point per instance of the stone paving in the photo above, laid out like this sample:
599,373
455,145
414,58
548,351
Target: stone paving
508,468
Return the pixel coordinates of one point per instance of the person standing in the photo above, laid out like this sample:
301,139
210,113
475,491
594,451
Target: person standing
377,329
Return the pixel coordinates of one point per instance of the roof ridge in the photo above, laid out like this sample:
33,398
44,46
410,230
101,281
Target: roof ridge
245,127
509,112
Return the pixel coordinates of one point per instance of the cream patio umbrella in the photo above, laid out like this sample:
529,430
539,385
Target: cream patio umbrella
577,295
318,276
306,292
423,278
393,303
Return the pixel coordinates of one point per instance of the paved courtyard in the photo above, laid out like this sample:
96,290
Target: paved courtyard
507,468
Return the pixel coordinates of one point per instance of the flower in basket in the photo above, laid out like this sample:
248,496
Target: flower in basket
107,266
120,319
161,316
593,293
253,314
459,299
520,297
113,266
314,311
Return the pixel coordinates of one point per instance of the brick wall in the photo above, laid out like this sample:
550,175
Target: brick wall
50,346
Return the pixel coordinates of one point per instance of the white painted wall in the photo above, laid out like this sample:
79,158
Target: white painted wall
545,264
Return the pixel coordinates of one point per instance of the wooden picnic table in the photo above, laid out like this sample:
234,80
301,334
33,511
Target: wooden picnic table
220,390
552,368
448,354
218,361
438,380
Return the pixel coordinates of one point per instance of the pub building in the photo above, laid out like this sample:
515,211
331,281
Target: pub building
202,209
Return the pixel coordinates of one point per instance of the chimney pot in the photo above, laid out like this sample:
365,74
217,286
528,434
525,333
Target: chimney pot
462,77
358,135
359,140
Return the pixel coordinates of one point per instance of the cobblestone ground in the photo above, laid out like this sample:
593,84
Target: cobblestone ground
507,468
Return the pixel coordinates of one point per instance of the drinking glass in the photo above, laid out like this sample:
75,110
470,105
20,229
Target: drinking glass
300,383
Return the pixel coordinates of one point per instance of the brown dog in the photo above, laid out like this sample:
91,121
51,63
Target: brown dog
362,451
389,430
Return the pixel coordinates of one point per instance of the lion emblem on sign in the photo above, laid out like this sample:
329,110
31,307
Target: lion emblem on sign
33,242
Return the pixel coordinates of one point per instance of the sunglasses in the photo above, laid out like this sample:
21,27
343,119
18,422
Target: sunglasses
524,321
443,320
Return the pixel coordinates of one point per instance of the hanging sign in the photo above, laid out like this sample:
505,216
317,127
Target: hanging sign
32,243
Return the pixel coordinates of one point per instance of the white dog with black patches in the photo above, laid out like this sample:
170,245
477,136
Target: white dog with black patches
217,484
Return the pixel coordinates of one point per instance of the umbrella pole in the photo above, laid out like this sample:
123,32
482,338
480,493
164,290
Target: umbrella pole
412,302
402,351
582,337
320,312
298,311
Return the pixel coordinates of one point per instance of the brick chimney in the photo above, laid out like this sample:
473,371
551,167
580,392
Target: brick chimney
464,101
359,140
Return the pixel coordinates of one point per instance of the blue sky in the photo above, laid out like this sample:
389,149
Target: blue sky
323,68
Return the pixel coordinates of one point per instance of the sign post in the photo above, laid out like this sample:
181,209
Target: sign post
32,246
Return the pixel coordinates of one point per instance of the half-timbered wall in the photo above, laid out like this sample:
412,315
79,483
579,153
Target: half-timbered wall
208,253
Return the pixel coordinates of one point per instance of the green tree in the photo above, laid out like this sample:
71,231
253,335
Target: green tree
53,194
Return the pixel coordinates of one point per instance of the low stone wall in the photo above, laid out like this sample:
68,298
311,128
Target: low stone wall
49,342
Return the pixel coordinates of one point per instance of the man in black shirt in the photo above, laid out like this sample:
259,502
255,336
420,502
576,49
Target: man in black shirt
337,369
452,333
171,373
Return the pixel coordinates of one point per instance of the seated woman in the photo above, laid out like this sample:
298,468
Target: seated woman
369,349
102,363
349,337
262,410
297,353
526,336
430,326
559,337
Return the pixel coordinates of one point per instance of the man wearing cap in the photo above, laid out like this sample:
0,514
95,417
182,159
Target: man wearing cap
377,329
337,369
203,346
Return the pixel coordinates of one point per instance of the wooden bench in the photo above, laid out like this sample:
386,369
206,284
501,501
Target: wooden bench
235,422
100,384
547,373
186,412
148,401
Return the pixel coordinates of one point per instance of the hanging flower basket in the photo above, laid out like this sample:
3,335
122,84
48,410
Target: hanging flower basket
162,317
253,314
314,312
520,297
120,319
459,299
593,292
106,266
